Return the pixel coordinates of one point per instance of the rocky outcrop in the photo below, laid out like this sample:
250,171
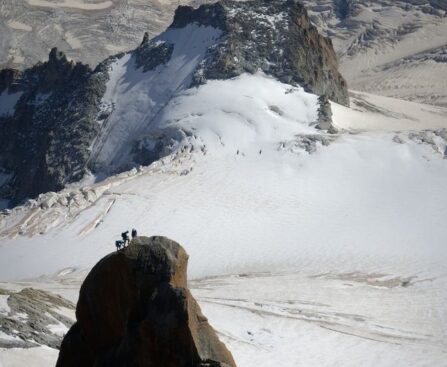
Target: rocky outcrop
325,115
150,54
276,37
135,309
34,317
44,142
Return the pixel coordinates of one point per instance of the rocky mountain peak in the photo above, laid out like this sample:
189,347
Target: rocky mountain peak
145,40
276,37
57,57
206,15
58,70
135,309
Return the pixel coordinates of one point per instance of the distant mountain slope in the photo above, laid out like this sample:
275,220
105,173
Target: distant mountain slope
392,48
86,31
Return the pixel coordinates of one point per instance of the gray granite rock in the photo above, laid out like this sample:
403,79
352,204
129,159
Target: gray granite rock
32,315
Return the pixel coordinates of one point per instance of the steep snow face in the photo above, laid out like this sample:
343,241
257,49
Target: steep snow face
135,97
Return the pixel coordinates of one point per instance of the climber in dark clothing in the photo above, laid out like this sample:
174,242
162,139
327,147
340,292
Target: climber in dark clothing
134,233
125,237
119,244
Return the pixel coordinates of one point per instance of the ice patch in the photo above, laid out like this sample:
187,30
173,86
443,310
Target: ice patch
6,337
67,312
4,307
58,329
8,102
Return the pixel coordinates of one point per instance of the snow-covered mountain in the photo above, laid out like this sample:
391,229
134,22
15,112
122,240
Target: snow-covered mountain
62,119
311,243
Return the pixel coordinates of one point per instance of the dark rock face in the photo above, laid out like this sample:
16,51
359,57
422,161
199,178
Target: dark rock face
135,309
276,37
151,54
45,143
9,79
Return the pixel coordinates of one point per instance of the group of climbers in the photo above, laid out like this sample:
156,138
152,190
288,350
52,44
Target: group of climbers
120,244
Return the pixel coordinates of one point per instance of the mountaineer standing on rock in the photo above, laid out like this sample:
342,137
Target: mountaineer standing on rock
134,233
119,244
125,237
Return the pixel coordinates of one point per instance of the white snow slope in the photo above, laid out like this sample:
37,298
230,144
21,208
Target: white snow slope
329,250
137,97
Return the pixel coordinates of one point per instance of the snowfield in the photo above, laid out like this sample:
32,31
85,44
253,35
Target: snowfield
306,248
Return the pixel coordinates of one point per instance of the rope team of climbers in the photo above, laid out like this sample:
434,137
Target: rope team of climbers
121,244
